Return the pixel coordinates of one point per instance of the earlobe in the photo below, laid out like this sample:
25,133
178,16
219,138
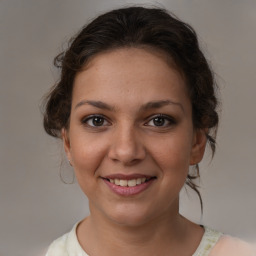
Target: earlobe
198,148
66,143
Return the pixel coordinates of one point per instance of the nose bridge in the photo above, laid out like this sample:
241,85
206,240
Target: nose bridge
126,146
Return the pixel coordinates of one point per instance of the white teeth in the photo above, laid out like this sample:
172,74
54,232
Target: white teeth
123,183
138,181
129,183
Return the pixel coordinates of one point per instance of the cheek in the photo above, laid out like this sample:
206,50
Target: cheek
86,158
87,153
172,153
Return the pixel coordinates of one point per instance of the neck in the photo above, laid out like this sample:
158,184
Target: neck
159,236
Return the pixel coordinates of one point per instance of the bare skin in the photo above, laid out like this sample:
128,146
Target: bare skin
131,116
161,237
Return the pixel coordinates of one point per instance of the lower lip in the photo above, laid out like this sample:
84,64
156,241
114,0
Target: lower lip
128,191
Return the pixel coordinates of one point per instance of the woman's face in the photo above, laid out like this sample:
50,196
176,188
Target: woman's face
131,138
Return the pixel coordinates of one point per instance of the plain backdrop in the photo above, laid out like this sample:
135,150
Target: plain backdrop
36,207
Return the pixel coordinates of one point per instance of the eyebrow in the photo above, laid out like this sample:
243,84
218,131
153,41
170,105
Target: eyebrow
97,104
159,104
147,106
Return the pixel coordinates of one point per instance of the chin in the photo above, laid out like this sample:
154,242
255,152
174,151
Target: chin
130,216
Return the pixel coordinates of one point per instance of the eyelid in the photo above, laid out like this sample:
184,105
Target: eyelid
87,118
170,119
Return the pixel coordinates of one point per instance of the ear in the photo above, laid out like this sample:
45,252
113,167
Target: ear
198,147
66,144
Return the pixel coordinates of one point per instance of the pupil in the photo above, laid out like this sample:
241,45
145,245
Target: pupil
158,121
98,121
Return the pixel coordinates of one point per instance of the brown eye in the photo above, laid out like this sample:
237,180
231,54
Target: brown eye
95,121
161,121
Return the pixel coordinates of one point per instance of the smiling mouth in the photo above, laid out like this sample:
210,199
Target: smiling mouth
129,182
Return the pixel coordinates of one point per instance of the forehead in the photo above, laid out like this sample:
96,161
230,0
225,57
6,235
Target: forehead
140,74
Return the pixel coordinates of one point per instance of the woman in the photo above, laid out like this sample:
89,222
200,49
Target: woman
135,108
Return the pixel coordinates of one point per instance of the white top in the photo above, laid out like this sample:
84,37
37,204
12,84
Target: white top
213,243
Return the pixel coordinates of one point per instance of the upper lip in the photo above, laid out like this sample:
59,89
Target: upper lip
126,176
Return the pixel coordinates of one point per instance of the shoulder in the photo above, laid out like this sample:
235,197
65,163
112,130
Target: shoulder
209,240
66,245
228,245
58,247
214,243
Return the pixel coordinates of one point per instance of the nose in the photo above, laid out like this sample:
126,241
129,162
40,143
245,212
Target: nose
126,146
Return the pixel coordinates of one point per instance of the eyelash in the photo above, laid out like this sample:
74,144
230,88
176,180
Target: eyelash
171,121
91,117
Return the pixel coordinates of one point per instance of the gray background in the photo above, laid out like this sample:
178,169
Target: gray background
35,206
